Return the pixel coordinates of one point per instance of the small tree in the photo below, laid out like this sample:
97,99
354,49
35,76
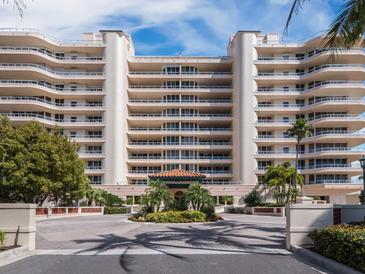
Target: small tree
158,194
253,198
199,197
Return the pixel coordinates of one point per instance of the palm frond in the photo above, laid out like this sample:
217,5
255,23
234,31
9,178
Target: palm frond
295,8
348,27
19,5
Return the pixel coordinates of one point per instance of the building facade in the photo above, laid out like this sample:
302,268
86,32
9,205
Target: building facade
224,117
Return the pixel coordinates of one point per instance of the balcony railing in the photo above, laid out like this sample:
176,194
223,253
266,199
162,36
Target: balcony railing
334,132
316,150
65,42
329,182
179,116
315,69
307,56
85,137
41,100
44,84
52,54
158,143
180,73
181,129
154,157
50,70
221,101
33,115
180,87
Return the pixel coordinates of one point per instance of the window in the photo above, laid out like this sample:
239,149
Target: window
285,149
286,119
96,180
73,104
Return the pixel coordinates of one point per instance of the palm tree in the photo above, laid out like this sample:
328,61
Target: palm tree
198,197
274,178
346,30
300,129
158,193
18,4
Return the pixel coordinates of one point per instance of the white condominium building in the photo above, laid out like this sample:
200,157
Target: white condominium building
224,117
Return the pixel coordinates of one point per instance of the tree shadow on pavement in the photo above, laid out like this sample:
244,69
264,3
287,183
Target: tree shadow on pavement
220,236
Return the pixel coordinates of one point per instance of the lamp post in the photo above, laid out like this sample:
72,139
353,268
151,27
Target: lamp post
362,163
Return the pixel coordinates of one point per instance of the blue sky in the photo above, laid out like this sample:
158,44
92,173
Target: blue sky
168,27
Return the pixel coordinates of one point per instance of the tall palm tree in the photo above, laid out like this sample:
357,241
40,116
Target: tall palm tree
299,129
346,30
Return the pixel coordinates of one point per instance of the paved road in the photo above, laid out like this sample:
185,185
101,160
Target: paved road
239,244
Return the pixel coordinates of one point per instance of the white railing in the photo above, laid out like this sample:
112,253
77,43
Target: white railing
223,101
333,166
317,52
315,85
178,115
43,117
180,87
154,157
157,143
44,84
50,70
179,73
48,53
182,129
28,31
315,69
329,182
85,136
41,100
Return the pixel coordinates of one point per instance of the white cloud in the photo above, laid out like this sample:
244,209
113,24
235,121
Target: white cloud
199,26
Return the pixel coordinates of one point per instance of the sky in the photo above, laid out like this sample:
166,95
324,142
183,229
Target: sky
171,27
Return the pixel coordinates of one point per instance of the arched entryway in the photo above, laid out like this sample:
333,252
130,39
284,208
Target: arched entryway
180,201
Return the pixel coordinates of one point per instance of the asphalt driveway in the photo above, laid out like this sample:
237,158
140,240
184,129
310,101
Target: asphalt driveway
112,244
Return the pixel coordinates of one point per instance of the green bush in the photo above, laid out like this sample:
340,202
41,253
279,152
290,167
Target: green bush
343,243
253,198
116,210
236,210
2,238
176,217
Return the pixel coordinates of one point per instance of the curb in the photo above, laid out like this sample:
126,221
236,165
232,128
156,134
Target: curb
14,254
324,262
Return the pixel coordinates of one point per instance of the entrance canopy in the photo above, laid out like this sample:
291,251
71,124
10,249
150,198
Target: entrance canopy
177,175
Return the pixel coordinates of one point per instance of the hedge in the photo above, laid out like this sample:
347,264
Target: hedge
116,210
176,217
343,243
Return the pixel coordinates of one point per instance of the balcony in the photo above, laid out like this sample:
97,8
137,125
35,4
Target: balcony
153,116
53,88
172,158
92,106
158,143
307,57
169,102
25,117
51,55
51,72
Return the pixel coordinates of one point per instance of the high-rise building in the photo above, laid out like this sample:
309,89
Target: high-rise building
224,117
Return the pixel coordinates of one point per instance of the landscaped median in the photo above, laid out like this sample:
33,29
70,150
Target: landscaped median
342,243
187,216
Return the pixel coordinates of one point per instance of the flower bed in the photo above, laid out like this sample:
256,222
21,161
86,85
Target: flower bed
188,216
343,243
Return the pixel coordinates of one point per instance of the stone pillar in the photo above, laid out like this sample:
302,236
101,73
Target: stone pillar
18,223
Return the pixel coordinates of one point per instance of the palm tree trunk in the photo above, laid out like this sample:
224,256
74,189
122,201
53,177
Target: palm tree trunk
296,168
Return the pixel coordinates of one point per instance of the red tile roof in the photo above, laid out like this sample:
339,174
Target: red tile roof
177,174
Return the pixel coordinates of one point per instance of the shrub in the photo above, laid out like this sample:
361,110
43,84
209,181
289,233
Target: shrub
116,210
343,243
176,217
236,210
2,238
253,198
